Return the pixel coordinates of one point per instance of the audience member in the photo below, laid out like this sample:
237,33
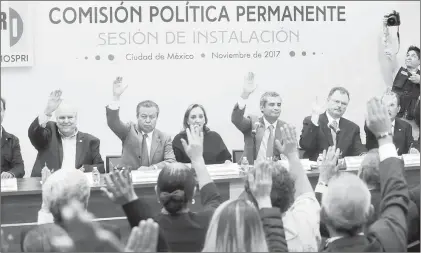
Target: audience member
39,238
214,149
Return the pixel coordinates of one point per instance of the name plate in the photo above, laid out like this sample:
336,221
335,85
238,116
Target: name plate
9,184
148,176
411,159
306,163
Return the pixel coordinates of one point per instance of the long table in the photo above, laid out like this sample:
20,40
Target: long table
19,209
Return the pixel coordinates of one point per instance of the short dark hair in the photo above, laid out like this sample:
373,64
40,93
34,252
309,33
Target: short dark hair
342,90
147,104
3,101
415,49
175,186
283,186
187,114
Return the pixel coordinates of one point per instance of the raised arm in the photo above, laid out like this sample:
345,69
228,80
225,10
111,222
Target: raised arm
112,111
237,116
169,156
387,54
390,229
311,128
39,132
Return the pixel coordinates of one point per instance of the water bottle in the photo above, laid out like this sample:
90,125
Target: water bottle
96,177
244,164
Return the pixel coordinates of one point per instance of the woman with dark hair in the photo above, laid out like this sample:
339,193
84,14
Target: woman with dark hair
214,149
182,229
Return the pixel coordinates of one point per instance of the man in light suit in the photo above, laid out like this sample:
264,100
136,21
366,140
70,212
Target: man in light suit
262,135
401,130
60,144
325,128
144,147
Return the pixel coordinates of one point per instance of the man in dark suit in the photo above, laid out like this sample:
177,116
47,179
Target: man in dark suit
329,128
60,144
144,146
11,158
346,200
401,130
260,133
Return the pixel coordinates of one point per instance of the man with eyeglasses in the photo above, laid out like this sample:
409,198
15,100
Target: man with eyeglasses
144,146
326,128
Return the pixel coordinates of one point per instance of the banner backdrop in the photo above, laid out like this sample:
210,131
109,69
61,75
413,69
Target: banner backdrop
16,34
179,53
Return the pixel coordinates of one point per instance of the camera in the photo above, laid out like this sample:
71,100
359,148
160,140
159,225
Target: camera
393,19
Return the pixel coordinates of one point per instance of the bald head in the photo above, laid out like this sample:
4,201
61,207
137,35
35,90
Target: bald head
66,117
346,204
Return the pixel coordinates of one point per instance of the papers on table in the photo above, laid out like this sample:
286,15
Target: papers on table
9,184
411,159
353,162
306,163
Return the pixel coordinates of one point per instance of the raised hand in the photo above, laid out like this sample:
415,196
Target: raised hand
329,166
249,85
118,87
318,108
119,187
54,102
289,140
377,118
84,235
143,238
194,148
260,183
6,175
415,78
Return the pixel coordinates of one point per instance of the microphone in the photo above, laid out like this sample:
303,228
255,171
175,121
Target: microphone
256,126
336,130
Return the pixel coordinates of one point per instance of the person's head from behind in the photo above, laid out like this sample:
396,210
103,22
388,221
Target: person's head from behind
63,186
283,185
235,227
175,187
195,115
369,169
147,113
3,109
270,105
39,238
337,102
412,59
66,118
346,206
391,100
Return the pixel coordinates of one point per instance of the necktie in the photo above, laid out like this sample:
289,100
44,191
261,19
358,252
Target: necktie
334,126
269,149
145,155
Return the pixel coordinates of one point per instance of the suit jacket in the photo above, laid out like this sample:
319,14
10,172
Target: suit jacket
161,148
47,141
314,139
11,158
252,141
402,137
389,231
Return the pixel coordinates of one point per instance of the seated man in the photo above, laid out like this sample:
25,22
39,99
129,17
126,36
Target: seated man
401,130
293,194
58,191
346,199
328,128
11,158
60,144
144,146
369,173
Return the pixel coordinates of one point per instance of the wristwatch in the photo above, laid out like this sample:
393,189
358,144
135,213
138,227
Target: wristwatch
383,135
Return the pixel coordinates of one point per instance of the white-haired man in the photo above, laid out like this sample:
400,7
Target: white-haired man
60,144
346,202
58,190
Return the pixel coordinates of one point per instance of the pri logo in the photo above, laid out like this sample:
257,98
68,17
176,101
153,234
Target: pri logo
14,24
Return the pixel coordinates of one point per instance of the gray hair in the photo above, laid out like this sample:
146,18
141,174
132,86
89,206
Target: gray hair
39,238
147,104
346,204
369,171
264,97
63,186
